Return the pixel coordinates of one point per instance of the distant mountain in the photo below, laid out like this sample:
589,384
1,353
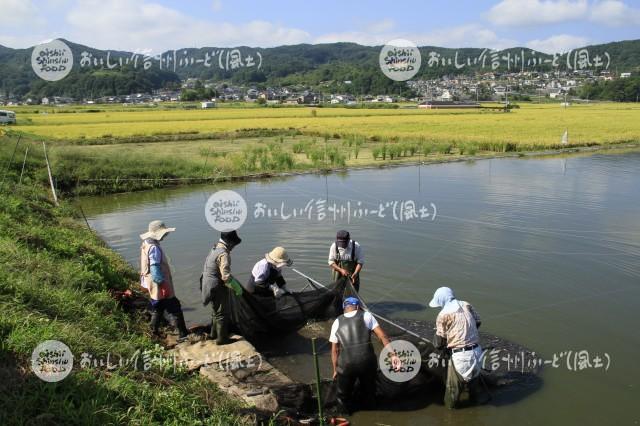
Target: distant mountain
327,66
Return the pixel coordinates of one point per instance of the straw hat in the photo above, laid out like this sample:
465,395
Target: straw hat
278,257
157,230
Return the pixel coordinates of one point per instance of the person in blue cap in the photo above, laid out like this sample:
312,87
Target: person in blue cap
352,353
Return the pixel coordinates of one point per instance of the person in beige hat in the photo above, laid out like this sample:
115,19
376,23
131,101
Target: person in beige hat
155,277
266,275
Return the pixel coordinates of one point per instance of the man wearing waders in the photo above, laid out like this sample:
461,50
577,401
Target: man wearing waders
217,282
352,354
155,277
346,258
457,333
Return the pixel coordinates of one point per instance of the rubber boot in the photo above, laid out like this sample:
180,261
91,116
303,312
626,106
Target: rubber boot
155,322
178,322
182,326
478,392
213,333
222,331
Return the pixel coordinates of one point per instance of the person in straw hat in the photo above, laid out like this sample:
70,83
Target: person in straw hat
155,277
266,275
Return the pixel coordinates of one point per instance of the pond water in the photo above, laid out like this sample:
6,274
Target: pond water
547,249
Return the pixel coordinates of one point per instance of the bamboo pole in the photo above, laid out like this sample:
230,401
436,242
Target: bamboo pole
53,188
319,394
24,162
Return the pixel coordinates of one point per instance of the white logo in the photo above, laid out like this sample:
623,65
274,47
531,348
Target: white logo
409,357
226,211
52,361
400,59
52,61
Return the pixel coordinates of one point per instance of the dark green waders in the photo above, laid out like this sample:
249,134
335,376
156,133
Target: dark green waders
456,385
349,265
220,314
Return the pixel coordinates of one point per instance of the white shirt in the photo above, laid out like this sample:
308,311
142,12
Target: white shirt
369,320
345,253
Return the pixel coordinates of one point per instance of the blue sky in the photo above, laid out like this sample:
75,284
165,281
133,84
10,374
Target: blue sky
158,25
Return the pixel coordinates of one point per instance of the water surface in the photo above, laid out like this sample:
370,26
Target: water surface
547,250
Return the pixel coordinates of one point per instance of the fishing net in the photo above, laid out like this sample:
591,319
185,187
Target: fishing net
253,315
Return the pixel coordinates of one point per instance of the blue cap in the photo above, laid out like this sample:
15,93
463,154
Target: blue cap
350,301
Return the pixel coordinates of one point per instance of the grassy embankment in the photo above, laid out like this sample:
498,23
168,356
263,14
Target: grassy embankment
55,278
110,149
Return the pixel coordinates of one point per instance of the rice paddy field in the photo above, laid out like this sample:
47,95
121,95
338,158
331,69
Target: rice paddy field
115,148
529,124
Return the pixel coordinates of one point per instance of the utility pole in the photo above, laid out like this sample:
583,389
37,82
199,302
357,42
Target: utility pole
506,99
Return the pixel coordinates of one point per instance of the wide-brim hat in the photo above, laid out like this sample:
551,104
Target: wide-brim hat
278,257
156,230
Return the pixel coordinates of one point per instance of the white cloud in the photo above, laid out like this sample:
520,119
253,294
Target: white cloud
536,12
461,36
382,26
146,25
614,13
142,25
471,35
558,43
15,13
216,5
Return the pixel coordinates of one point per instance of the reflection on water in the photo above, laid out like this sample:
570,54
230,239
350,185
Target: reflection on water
546,249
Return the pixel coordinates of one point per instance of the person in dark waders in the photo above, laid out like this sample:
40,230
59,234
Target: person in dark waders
346,259
155,277
457,333
266,276
353,357
217,282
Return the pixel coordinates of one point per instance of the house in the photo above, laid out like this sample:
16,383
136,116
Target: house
446,96
308,97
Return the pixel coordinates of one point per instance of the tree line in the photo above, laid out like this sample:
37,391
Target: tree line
620,90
